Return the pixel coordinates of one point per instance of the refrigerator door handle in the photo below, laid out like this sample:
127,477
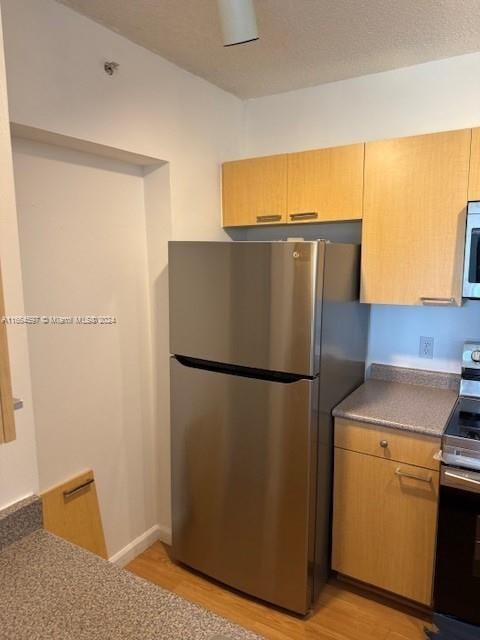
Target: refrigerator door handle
245,372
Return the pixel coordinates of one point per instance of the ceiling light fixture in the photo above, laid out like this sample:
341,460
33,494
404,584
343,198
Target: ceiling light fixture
238,21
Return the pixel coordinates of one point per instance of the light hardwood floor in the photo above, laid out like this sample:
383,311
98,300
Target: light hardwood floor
342,613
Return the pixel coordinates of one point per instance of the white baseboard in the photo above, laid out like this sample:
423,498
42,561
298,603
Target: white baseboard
137,546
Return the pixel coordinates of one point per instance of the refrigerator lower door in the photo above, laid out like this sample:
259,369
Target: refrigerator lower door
243,481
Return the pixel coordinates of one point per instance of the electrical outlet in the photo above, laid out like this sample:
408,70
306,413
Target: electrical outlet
426,347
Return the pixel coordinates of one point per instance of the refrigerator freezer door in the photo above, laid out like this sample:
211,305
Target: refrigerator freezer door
243,481
252,304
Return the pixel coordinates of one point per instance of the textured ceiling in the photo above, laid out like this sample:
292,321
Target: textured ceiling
302,42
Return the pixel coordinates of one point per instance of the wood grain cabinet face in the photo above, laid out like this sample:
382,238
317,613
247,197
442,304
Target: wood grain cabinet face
71,511
384,524
414,219
7,421
474,181
326,184
403,446
255,191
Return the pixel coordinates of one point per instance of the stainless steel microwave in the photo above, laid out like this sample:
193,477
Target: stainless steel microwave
471,271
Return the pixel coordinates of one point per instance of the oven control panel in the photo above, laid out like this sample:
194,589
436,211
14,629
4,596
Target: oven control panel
470,382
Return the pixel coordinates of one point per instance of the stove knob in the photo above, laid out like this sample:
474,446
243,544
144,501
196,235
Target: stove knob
476,355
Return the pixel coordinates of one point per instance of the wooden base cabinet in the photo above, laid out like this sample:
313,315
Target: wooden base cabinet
71,511
384,523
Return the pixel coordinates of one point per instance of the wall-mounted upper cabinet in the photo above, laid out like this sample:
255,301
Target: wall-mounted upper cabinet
311,186
474,182
325,184
414,219
255,191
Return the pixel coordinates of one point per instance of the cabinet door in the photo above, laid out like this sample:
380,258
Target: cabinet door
474,181
255,191
7,423
7,214
71,511
326,184
384,524
414,219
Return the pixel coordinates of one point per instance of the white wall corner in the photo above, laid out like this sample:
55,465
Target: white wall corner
140,544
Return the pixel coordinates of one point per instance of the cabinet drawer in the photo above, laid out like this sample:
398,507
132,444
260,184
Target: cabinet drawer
401,446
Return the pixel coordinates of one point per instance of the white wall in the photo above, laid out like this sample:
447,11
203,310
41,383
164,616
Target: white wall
56,82
18,464
83,246
430,97
395,335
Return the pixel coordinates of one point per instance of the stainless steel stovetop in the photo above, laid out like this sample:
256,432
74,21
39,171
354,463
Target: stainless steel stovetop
461,440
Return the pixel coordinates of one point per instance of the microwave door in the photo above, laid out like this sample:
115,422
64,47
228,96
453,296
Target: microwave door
474,263
471,274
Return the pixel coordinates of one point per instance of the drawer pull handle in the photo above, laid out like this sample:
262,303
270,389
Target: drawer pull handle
71,492
429,301
403,474
308,215
269,218
384,444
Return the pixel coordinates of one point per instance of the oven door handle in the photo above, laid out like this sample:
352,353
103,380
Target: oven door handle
459,479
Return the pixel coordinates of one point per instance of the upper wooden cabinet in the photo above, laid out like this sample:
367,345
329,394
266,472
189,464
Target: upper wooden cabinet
414,219
7,422
474,182
325,184
255,191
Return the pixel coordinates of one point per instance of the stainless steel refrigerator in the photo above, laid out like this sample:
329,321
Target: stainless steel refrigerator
266,338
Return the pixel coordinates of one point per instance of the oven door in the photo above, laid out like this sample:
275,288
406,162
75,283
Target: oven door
457,576
471,271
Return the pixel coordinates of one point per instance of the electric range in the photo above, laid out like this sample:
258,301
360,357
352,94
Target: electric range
457,569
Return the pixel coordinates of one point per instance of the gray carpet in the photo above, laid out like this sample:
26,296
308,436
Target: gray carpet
53,590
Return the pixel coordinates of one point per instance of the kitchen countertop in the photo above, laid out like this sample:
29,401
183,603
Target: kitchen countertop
399,398
53,590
